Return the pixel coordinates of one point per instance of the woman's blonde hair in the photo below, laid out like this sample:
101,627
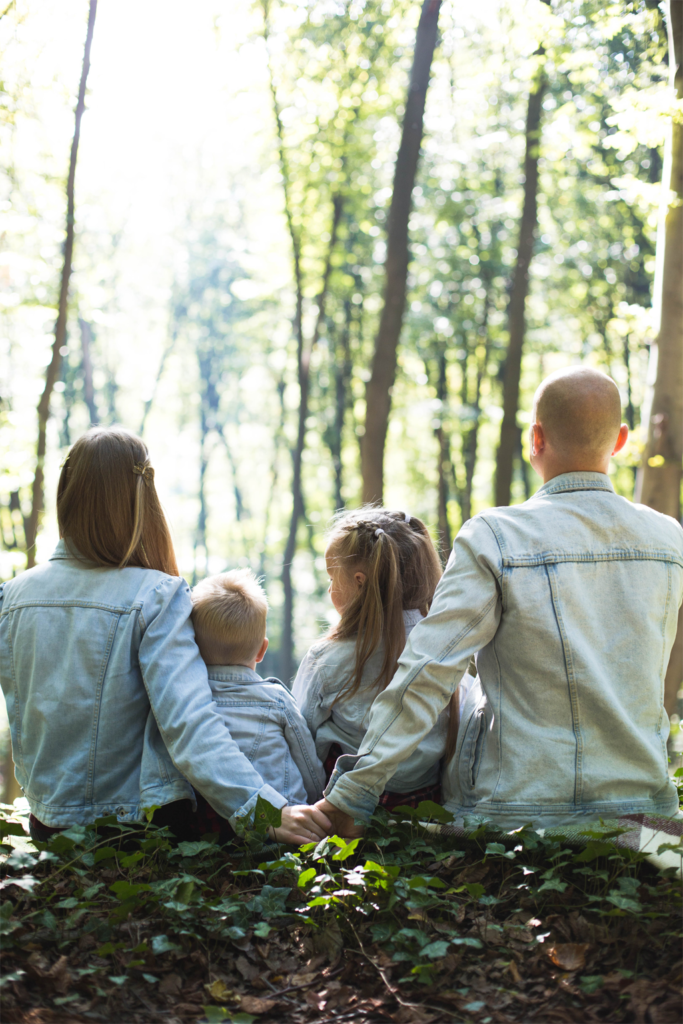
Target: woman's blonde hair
107,505
401,566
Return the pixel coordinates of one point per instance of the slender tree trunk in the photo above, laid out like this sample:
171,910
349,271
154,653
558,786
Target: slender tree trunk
168,348
304,367
88,389
444,463
277,443
52,373
378,390
342,377
200,548
518,293
658,483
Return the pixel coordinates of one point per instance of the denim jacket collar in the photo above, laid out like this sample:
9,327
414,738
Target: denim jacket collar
581,481
61,551
233,674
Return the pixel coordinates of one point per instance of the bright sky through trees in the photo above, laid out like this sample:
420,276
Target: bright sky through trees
181,240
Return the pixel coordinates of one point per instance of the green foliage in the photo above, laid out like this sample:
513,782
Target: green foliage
405,897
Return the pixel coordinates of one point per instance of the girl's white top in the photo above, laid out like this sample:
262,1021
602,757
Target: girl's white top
323,673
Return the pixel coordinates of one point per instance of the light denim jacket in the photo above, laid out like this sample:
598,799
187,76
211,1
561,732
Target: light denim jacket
325,669
571,601
266,724
108,698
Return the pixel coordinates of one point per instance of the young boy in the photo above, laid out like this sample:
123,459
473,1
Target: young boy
229,618
570,604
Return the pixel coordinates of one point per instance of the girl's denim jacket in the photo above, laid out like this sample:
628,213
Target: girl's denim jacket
570,603
108,698
325,669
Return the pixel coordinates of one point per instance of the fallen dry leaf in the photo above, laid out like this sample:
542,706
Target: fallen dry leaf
303,978
170,985
219,991
412,1015
253,1004
570,956
248,970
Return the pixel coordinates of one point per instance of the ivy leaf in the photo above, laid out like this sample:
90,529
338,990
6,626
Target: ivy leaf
624,902
435,950
345,849
194,849
11,828
128,890
594,849
262,930
306,876
162,944
265,815
12,976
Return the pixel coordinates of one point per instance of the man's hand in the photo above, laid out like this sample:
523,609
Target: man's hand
341,823
302,824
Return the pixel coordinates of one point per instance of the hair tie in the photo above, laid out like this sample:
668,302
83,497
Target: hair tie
378,531
145,471
407,516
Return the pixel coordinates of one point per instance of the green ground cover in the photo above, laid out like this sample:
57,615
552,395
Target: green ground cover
405,925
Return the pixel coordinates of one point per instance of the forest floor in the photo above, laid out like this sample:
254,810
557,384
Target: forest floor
405,925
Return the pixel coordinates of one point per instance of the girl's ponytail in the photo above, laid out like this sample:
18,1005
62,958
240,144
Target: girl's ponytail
402,569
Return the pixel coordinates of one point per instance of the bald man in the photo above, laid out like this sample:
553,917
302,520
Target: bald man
569,603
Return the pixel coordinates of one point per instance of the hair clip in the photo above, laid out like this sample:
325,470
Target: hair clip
146,472
407,517
378,531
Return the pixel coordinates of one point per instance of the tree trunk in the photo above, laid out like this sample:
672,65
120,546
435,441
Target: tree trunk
378,390
304,366
520,286
342,378
658,482
444,464
88,389
52,373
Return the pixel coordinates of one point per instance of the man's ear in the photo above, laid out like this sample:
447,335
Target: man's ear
537,439
622,439
262,650
360,579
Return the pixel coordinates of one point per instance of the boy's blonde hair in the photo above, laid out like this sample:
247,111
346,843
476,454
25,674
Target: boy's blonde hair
229,617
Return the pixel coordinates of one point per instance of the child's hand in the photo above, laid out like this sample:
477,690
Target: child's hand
301,824
341,824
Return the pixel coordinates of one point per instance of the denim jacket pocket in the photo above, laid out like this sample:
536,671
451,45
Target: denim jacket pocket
473,746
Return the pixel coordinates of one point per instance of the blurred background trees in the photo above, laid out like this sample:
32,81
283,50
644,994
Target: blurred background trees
233,190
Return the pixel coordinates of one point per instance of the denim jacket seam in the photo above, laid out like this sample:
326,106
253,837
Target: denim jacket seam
501,577
90,777
662,666
612,555
571,683
16,740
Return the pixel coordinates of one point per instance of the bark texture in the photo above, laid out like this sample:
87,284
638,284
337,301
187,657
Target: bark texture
658,482
509,431
52,372
378,390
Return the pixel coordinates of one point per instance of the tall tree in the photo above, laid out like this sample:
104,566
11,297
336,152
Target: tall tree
509,431
378,390
52,372
659,477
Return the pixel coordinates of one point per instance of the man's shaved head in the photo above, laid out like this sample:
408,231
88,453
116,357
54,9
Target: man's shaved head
579,410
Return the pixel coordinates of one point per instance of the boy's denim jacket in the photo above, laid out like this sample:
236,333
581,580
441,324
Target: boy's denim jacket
108,698
324,670
266,724
570,602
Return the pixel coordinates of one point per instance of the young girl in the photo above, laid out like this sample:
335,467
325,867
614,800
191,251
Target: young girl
383,571
107,695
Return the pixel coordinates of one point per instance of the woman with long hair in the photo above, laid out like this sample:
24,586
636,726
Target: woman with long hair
108,698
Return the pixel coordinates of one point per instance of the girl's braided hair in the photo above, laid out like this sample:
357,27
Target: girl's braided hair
397,556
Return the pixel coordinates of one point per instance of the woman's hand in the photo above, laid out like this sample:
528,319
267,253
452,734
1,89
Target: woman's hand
341,824
301,824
